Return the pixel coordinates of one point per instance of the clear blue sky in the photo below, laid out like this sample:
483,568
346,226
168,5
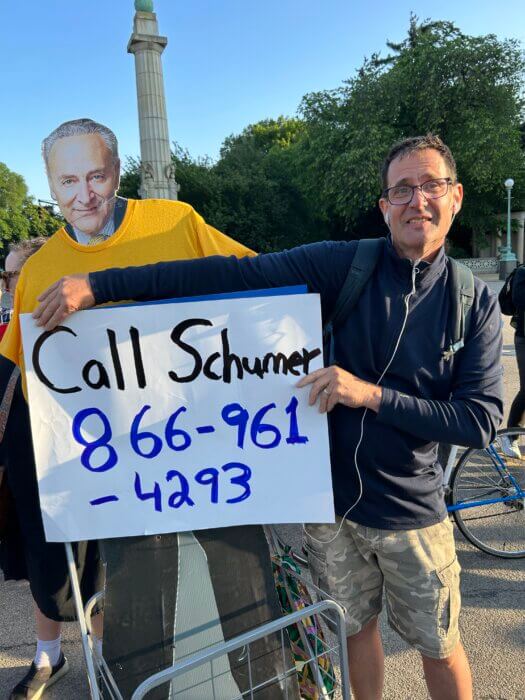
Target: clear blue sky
228,63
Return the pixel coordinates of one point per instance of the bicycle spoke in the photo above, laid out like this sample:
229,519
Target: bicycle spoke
482,495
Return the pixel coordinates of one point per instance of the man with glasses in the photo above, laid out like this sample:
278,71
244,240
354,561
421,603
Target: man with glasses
8,277
19,252
394,392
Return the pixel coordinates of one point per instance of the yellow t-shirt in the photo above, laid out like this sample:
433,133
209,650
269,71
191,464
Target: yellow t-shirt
152,230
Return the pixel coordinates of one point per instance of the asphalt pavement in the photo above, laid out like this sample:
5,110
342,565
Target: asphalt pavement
492,621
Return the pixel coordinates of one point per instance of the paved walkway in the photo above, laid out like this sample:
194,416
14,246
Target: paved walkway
492,621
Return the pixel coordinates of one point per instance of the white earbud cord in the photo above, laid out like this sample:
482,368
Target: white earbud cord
415,271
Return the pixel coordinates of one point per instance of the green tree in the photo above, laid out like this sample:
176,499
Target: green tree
13,194
20,217
196,179
466,89
130,179
253,192
42,220
199,184
262,201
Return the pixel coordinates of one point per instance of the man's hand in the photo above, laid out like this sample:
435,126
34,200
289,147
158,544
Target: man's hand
60,300
333,385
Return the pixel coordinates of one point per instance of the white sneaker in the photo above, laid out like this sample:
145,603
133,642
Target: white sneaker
510,447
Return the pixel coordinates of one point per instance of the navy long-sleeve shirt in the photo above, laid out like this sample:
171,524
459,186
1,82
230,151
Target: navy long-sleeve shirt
425,398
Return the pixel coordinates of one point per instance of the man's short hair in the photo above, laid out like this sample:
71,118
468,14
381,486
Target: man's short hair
78,127
418,143
27,247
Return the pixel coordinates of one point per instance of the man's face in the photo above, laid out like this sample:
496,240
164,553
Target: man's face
84,178
13,265
419,228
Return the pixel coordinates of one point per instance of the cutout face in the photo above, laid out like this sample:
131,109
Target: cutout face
84,177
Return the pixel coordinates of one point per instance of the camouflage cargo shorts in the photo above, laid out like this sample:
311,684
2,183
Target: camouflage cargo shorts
418,570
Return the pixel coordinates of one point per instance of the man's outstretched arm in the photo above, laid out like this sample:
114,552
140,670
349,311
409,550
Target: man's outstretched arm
321,266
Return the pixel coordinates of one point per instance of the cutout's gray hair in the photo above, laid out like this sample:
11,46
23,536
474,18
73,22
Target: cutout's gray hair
78,127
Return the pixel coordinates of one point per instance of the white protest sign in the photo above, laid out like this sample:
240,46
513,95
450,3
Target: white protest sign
178,416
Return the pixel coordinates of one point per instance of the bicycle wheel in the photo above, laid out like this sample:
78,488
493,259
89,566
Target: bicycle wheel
485,474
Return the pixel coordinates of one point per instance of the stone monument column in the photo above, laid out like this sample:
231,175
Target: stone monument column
157,170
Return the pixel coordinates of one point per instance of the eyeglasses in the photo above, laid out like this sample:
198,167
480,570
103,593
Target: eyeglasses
6,277
431,189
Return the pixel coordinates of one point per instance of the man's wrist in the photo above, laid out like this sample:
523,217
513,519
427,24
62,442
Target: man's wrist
91,278
373,397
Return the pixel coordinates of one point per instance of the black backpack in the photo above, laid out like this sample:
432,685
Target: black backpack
505,296
461,285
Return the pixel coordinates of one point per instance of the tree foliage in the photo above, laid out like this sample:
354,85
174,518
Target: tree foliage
288,181
20,217
466,89
41,220
13,194
261,200
252,192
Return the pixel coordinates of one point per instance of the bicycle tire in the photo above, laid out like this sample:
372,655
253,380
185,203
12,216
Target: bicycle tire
497,529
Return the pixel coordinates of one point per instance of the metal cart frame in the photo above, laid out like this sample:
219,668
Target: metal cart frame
328,634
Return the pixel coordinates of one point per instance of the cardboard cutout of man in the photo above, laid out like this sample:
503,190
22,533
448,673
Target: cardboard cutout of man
104,230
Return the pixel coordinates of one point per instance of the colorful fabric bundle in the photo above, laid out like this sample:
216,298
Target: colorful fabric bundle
293,595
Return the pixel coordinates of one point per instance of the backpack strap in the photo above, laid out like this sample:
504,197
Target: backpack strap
363,265
461,281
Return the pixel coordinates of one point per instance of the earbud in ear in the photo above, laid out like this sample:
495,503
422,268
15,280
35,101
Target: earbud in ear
387,219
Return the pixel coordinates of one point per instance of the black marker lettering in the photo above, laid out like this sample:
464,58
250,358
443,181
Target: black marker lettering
103,377
271,363
257,366
36,360
137,356
295,360
176,333
207,370
116,359
228,359
308,356
277,360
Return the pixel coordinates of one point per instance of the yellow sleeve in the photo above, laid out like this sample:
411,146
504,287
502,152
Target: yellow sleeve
209,241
